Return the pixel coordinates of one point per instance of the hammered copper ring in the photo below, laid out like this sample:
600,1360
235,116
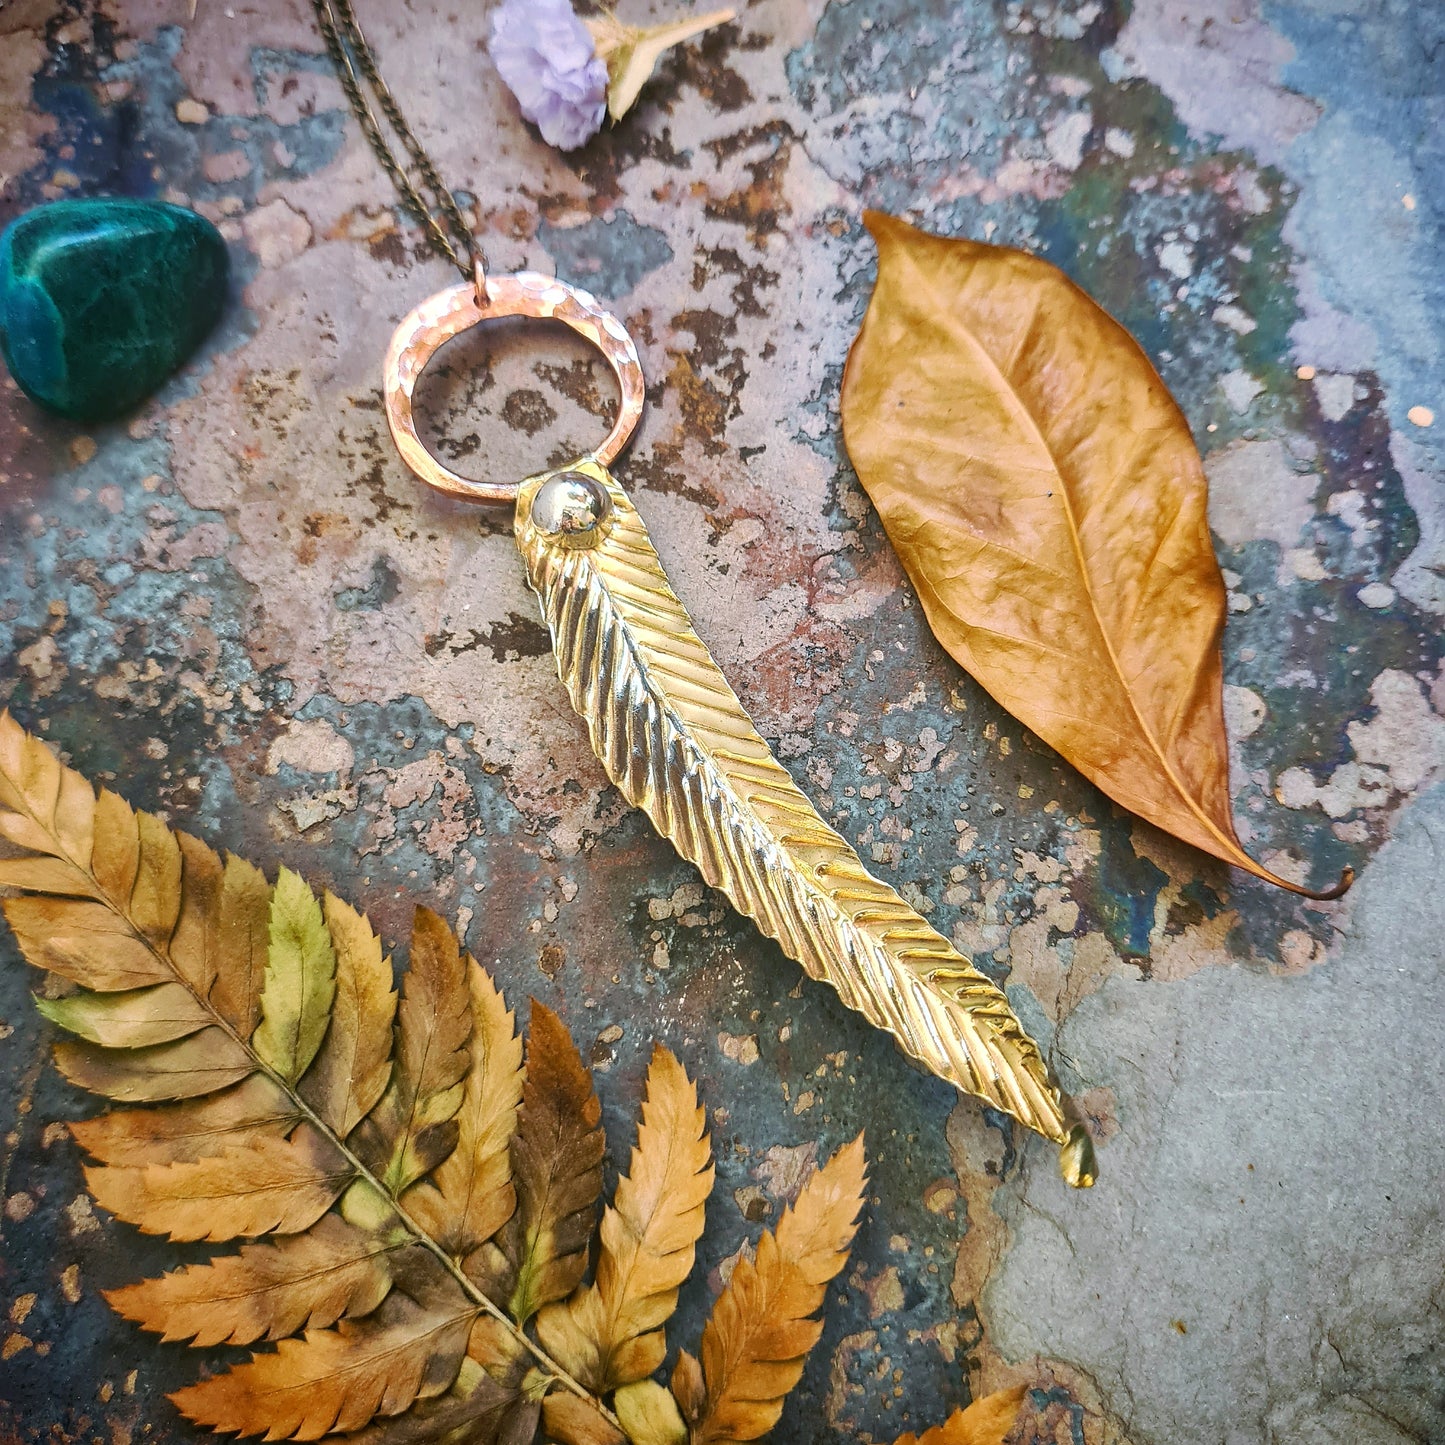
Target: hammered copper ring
439,318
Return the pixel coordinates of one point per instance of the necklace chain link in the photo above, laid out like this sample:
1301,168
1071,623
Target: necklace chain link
442,217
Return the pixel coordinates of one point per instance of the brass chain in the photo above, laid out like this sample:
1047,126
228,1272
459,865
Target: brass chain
431,201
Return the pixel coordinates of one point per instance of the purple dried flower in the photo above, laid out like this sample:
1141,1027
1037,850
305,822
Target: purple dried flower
549,62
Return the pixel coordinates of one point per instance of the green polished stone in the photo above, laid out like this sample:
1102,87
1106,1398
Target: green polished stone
100,301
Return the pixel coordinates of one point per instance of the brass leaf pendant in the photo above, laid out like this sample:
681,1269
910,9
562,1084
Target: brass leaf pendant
673,737
676,741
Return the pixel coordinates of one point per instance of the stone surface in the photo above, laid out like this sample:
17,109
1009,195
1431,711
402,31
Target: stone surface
240,608
100,301
1274,1116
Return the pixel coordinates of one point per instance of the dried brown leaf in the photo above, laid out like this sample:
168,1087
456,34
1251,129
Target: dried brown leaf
21,827
688,1387
414,1128
985,1422
300,980
816,1230
266,1291
557,1164
649,1414
470,1195
470,1413
268,1186
337,1379
1046,499
610,1334
760,1331
115,856
47,875
155,901
85,942
185,1069
129,1020
351,1071
255,1108
242,936
570,1420
518,1423
137,863
754,1345
47,807
195,945
572,1332
499,1349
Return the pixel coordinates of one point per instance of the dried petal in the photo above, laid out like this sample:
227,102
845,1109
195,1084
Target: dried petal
547,58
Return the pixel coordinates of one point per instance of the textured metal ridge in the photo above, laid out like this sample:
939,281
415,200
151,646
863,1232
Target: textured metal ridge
676,741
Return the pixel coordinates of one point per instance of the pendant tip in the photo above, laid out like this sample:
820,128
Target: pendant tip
1077,1161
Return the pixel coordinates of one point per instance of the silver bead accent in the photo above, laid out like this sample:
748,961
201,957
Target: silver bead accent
573,509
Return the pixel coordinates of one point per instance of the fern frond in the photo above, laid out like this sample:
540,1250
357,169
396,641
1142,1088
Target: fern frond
262,1022
405,1196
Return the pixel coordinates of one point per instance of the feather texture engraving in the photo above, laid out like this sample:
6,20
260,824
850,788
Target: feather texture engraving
676,741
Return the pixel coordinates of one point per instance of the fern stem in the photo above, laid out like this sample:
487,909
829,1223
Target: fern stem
468,1287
